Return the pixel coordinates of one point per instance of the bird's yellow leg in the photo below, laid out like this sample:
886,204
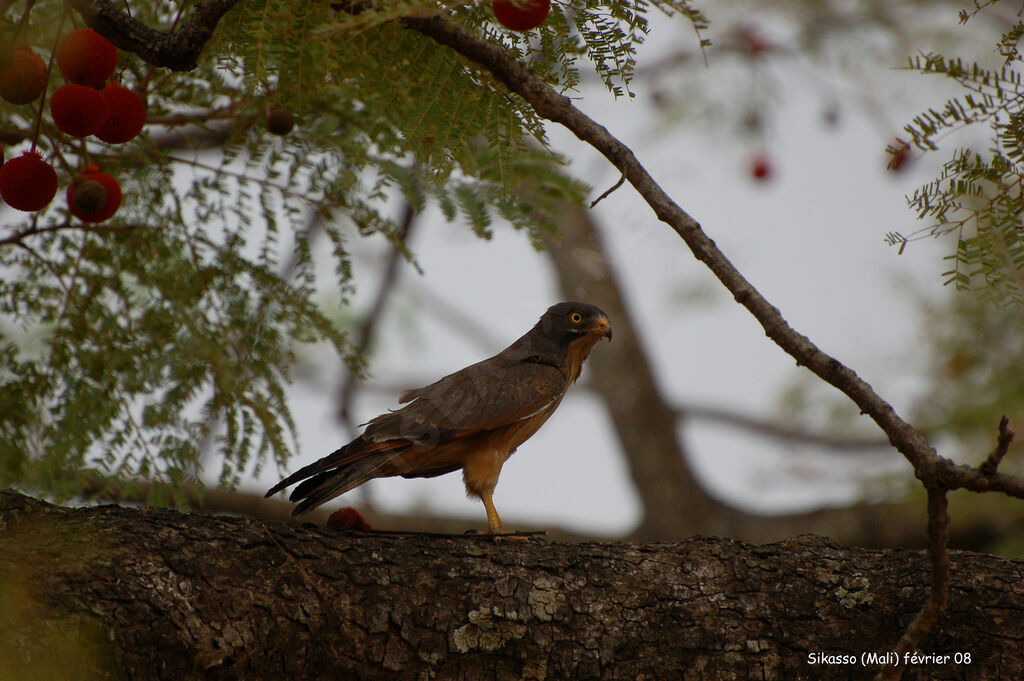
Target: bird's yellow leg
494,524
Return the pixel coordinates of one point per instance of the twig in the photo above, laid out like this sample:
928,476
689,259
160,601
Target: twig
609,191
387,285
18,237
991,464
449,535
780,431
924,622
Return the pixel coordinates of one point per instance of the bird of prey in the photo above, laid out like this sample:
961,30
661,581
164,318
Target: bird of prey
471,420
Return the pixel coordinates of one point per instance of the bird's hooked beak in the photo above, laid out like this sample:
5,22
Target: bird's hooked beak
602,328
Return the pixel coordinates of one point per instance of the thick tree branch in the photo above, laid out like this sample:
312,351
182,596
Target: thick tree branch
178,51
156,594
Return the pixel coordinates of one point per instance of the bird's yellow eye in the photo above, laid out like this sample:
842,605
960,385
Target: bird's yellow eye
575,318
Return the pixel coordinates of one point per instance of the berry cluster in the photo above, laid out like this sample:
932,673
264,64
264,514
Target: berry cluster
87,104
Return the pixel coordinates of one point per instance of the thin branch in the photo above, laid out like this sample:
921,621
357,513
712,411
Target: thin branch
19,237
1006,435
608,192
924,622
369,325
464,324
779,431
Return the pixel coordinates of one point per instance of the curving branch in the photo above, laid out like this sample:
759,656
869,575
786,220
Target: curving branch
178,51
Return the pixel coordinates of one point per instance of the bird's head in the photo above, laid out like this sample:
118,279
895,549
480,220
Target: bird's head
571,321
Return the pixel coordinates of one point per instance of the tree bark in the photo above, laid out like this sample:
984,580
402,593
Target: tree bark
144,593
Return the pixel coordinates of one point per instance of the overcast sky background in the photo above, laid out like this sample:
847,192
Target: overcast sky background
810,239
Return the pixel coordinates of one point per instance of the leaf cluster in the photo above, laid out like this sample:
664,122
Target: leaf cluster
977,196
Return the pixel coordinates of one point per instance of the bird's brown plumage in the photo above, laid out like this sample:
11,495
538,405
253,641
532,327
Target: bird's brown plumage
471,420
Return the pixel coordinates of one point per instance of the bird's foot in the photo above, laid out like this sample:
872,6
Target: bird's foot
501,534
509,535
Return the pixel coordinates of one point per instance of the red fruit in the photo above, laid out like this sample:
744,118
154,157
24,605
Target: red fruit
761,168
28,182
348,518
25,78
899,155
752,42
86,58
521,15
126,114
78,110
112,203
88,196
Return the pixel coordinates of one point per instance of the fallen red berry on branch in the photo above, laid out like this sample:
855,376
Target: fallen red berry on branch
78,110
86,58
348,518
27,182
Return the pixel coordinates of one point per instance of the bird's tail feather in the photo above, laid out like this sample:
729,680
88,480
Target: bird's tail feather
326,485
341,471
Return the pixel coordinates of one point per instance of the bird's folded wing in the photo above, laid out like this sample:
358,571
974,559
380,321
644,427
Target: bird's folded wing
484,396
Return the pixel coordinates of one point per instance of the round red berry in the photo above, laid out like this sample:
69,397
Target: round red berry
86,58
349,519
521,15
113,196
761,168
125,116
24,79
27,182
78,110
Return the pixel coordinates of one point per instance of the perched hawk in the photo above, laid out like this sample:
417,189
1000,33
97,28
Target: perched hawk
471,420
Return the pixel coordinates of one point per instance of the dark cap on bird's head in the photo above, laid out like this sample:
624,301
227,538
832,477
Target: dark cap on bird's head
574,320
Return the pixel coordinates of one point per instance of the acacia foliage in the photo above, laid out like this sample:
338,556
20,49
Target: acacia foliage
977,196
125,347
